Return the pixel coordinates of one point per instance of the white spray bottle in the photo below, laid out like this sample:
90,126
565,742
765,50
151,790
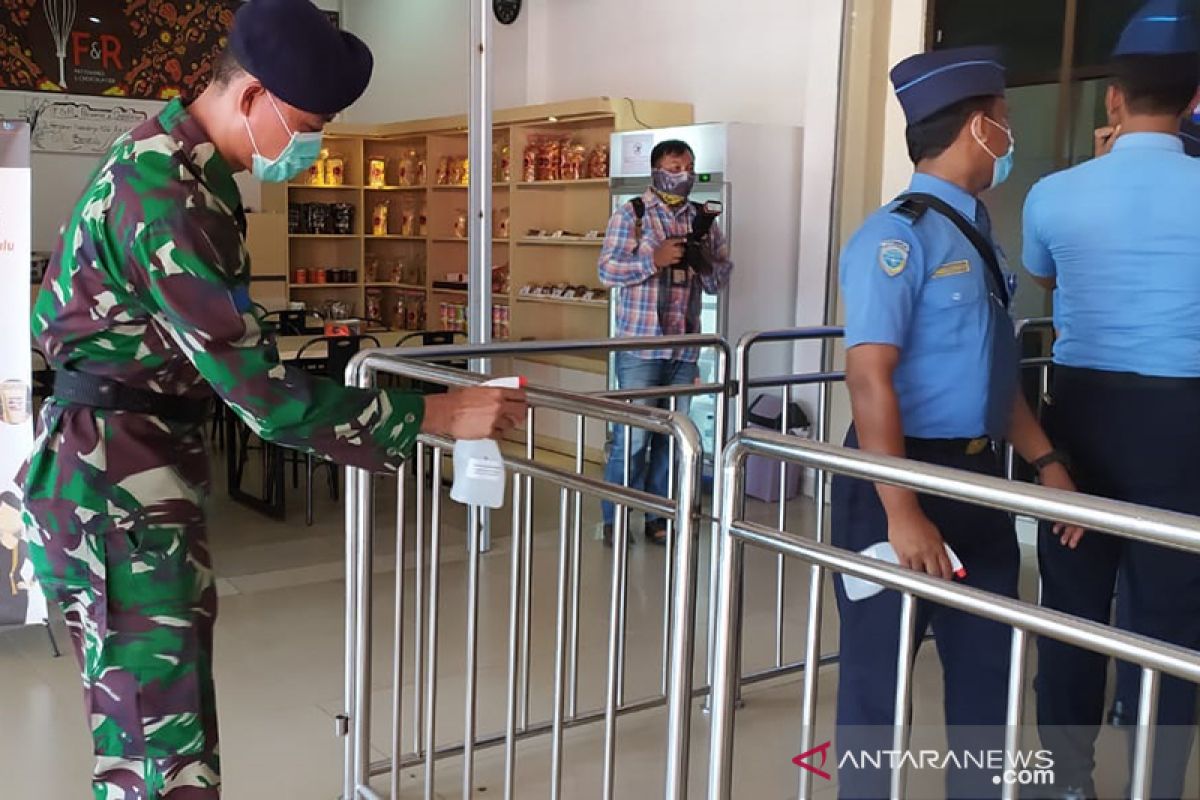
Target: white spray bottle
860,589
478,465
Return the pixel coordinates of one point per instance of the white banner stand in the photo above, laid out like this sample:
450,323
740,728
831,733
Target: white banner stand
21,599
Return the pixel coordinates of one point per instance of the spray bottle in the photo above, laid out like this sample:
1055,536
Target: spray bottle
860,589
478,465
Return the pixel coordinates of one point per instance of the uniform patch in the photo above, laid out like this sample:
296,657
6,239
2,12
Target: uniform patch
893,256
953,268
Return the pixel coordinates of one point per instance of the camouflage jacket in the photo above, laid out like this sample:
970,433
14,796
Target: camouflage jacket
149,286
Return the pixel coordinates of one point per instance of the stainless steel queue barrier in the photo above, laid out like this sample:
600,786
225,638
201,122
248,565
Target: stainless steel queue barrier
573,485
1168,529
1043,364
743,385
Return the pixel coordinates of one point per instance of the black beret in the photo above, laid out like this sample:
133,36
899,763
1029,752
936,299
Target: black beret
299,56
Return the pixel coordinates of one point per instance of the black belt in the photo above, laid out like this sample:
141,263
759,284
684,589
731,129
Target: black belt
957,447
93,391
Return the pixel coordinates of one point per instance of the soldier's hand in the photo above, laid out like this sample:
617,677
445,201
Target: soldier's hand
668,253
1104,138
475,413
919,544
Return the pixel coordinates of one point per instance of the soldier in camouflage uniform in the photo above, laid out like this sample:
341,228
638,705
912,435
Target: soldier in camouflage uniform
146,301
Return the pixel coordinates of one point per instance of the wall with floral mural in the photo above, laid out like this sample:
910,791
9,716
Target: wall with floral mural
144,49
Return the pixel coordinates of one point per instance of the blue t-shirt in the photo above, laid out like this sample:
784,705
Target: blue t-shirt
1121,236
923,288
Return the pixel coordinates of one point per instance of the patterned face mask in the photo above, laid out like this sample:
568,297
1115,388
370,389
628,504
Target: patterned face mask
673,187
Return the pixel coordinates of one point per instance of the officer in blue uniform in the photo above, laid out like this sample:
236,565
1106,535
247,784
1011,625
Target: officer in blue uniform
1116,239
932,370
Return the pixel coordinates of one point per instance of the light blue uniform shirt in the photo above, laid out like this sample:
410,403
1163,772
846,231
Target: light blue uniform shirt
1121,235
923,288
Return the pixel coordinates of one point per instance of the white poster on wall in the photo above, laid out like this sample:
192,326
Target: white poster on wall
21,600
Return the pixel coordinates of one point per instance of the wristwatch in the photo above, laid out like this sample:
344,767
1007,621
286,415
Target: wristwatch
1053,457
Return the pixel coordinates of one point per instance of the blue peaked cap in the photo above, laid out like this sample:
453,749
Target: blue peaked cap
1160,28
930,82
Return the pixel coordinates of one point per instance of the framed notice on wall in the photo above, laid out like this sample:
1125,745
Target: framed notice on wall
150,49
21,599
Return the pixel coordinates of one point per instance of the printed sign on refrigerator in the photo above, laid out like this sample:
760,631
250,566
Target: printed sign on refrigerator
21,599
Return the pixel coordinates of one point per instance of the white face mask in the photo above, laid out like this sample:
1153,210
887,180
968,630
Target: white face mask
1002,165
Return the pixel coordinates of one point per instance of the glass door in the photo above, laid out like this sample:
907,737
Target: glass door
1057,52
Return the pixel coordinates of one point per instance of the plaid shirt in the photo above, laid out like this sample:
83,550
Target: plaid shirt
628,265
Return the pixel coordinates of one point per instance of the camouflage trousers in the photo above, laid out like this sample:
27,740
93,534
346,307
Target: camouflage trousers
119,543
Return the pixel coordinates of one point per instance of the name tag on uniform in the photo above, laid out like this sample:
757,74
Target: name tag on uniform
953,268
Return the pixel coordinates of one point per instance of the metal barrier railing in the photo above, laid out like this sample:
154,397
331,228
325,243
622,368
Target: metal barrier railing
741,409
1145,524
573,486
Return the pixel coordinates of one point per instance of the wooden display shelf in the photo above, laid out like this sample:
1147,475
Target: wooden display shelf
452,187
408,287
597,364
582,183
581,205
560,242
302,286
562,301
329,236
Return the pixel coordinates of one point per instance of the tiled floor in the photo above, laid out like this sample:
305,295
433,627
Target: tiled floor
279,666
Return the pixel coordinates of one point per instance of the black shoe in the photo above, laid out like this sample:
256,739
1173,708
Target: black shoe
656,532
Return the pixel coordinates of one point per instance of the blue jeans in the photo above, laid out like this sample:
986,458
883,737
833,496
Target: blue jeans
649,459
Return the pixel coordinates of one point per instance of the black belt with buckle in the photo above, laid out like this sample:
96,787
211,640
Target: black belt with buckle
968,447
93,391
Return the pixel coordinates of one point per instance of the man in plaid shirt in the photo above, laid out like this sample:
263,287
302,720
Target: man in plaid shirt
659,295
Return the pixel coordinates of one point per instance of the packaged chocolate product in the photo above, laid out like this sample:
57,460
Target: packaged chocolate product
377,172
500,227
374,298
460,223
574,161
422,223
371,269
408,169
598,162
343,218
529,167
422,176
408,216
315,176
549,159
379,219
443,171
335,171
502,164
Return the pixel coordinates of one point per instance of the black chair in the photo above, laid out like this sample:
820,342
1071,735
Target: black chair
338,352
432,339
259,310
292,322
428,339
